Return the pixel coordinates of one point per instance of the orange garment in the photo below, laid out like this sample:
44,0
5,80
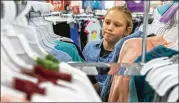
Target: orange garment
10,98
130,51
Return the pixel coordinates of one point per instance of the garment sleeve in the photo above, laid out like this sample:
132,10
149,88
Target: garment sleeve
85,51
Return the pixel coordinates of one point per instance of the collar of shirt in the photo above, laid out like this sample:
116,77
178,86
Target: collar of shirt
96,56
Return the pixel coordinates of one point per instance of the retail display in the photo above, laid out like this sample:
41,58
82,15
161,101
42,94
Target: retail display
42,58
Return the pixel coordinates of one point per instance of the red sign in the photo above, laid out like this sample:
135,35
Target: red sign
58,4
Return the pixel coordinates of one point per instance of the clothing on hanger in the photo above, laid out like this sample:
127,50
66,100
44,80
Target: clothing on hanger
144,91
122,81
70,49
94,31
60,55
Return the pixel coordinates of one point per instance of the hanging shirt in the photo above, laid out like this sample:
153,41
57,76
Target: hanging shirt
87,3
163,8
131,49
94,31
74,34
144,92
69,49
101,5
60,55
135,6
95,4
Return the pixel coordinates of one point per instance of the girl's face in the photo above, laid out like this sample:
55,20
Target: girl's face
114,26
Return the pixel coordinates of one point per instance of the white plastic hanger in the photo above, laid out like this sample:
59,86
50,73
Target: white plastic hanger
21,27
51,35
164,87
166,70
7,75
173,96
31,37
11,64
45,28
154,64
172,35
8,35
8,48
48,27
158,27
18,44
9,13
42,33
12,70
164,74
154,71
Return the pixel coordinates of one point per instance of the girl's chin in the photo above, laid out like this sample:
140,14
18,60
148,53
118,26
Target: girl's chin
109,40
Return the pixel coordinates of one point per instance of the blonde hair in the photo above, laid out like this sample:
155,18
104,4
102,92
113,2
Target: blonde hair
126,13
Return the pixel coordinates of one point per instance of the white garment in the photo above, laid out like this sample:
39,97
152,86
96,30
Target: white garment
94,31
43,7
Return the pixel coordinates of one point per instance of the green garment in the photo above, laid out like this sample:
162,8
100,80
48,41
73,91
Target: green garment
70,49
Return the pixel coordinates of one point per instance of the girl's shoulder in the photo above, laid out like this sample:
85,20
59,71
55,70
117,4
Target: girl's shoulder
97,43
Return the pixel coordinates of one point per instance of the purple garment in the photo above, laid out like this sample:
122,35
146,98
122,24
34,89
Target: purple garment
169,14
135,7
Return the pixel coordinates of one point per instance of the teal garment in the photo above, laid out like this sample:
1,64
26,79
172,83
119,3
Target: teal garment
95,4
70,49
175,1
144,92
163,8
132,90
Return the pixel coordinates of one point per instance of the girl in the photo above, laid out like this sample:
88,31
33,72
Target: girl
117,24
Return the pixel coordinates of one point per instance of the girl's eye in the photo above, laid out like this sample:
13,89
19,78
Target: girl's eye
107,22
117,25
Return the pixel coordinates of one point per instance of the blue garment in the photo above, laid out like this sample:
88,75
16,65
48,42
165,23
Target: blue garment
163,8
91,53
95,4
60,55
119,44
107,85
106,89
74,34
144,92
87,3
101,5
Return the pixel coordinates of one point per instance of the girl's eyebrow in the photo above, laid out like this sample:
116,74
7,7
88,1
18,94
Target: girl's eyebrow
118,22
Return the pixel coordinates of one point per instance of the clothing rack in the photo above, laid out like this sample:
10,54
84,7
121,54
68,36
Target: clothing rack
145,29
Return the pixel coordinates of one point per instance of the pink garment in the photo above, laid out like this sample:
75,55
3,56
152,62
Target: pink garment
10,98
131,50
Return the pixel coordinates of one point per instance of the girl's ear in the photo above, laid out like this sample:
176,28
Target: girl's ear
129,30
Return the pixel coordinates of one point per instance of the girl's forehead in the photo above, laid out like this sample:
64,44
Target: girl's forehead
115,15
